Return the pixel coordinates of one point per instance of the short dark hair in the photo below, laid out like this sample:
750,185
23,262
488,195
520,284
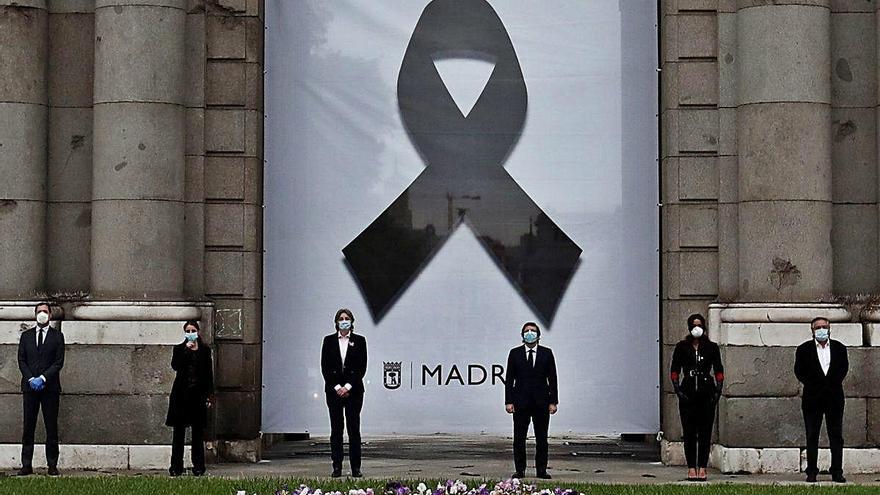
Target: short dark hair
530,324
42,303
819,318
338,313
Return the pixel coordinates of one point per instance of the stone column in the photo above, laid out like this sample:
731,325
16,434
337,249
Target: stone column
854,148
138,171
784,151
23,122
71,79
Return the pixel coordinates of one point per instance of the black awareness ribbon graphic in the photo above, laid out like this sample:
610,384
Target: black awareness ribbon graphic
465,178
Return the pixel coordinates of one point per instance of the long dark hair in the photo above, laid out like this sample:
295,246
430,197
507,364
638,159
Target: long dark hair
690,321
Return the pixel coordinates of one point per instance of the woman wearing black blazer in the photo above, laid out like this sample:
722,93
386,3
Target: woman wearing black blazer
191,395
697,375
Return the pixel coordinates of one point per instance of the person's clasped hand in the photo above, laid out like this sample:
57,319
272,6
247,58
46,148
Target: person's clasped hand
37,383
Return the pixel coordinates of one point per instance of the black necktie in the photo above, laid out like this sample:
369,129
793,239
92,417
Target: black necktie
40,339
531,358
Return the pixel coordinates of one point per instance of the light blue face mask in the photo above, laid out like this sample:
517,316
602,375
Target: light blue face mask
345,324
822,334
191,336
530,337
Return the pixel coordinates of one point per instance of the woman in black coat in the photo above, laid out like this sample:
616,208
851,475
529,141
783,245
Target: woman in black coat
191,395
697,375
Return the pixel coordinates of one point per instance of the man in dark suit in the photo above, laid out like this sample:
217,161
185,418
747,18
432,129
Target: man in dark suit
40,359
821,365
530,394
344,364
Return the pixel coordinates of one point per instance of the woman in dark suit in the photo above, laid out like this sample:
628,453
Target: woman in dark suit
191,395
697,375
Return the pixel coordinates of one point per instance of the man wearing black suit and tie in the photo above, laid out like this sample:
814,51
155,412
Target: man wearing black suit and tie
530,394
821,364
40,359
344,364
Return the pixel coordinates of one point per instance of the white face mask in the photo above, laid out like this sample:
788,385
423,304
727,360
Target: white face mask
697,332
42,318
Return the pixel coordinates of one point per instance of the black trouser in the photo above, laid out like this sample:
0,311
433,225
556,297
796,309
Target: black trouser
540,419
33,402
697,418
345,414
198,448
833,412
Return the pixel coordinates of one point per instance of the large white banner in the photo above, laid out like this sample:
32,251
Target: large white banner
449,170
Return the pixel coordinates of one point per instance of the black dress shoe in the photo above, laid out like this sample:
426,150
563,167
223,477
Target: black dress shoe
811,477
517,475
544,476
199,472
53,471
838,478
25,471
337,473
356,473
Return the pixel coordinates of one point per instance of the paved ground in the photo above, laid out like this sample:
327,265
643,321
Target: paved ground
576,459
593,460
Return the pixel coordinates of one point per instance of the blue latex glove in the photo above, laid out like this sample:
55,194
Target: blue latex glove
37,383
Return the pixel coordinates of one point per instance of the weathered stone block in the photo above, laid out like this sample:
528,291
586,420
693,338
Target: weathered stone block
671,418
22,256
226,83
70,154
854,59
759,371
69,238
727,60
23,40
728,260
96,419
735,460
139,151
873,421
238,415
137,241
784,264
797,68
783,334
224,225
784,152
71,59
779,461
698,83
861,381
225,37
672,453
224,273
853,155
698,130
698,226
225,178
195,131
23,154
239,319
156,457
854,237
196,55
697,36
778,422
698,273
225,131
698,178
139,54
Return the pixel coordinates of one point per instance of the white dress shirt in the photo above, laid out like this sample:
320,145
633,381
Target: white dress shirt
534,355
37,340
344,342
824,352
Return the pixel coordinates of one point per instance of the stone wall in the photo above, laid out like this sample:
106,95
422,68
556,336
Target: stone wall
131,151
769,177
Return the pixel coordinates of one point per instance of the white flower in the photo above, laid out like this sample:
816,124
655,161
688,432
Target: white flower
422,487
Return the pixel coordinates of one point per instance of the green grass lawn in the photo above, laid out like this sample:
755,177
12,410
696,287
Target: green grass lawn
149,485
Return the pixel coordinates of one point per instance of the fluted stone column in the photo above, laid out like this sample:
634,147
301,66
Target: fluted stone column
784,150
71,80
138,171
23,123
